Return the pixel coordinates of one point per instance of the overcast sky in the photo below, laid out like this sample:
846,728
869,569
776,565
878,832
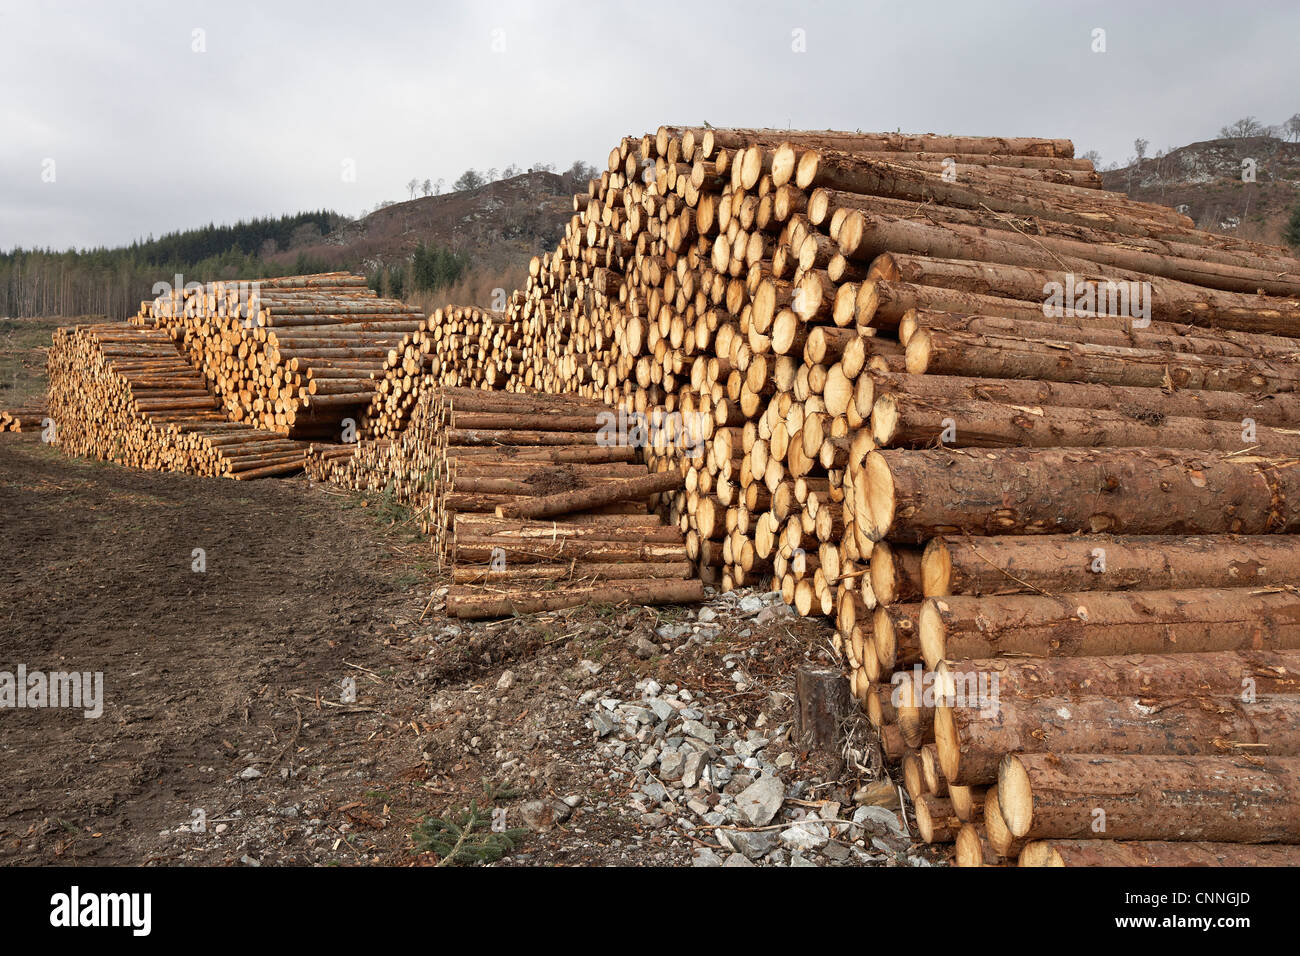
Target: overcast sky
147,135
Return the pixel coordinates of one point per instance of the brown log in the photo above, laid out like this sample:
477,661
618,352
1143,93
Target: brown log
973,737
521,601
907,495
824,705
574,572
1168,301
1056,563
1156,676
1099,623
1156,403
1112,853
580,499
1217,799
979,424
935,819
930,351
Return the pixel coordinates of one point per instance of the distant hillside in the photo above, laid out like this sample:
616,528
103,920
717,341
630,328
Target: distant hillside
485,235
503,222
1205,180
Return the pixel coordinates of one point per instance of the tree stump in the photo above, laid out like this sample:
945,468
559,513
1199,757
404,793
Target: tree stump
824,702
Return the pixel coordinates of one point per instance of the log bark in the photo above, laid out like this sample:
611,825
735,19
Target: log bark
1004,564
980,424
1099,623
1150,676
1217,799
930,351
912,495
1169,301
824,705
972,739
592,496
476,605
1156,853
935,820
1153,403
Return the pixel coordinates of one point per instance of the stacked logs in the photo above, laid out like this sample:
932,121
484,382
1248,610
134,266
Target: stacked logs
457,346
122,393
292,355
532,499
840,342
27,417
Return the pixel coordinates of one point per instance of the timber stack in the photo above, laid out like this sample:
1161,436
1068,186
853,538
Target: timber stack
26,417
294,355
122,393
531,499
993,420
457,346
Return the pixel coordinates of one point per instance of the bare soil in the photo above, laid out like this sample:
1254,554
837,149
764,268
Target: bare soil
228,737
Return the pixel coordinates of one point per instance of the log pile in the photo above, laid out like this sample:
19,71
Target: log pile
529,498
951,393
123,393
293,355
992,420
457,346
26,417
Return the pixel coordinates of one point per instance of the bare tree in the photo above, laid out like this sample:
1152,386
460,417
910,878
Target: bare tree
1140,148
438,186
1093,157
412,186
426,187
1292,127
510,171
1244,128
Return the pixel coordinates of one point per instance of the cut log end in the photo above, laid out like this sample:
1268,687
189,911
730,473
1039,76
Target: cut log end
917,356
970,849
947,743
1040,853
880,497
1015,795
932,634
884,419
867,303
936,568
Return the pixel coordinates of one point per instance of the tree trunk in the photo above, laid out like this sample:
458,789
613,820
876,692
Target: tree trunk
824,706
1098,623
980,424
912,495
1000,356
1169,301
972,741
1004,564
1079,797
592,496
1154,853
474,605
1241,674
1115,331
1281,410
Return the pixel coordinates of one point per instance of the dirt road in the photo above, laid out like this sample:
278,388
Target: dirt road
208,674
228,736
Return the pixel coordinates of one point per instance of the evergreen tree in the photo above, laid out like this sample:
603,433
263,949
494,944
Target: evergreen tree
1291,232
